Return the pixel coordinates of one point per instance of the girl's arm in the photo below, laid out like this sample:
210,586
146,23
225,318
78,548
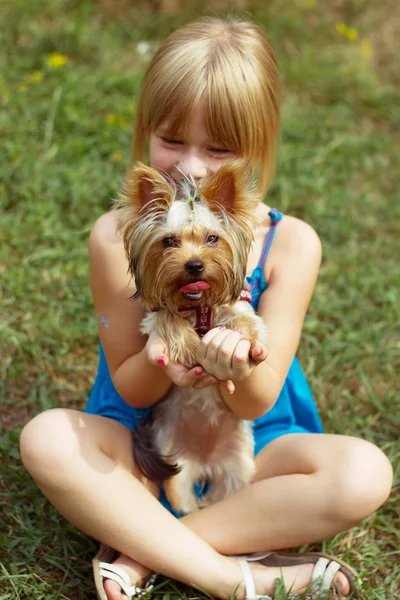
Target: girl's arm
291,271
138,382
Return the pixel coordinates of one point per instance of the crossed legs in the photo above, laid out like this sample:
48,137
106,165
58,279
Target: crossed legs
307,488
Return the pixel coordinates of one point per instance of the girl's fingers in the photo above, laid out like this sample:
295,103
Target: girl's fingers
158,357
241,354
161,360
213,332
233,349
210,381
206,381
240,359
191,378
229,385
183,376
221,351
218,346
209,344
157,351
259,353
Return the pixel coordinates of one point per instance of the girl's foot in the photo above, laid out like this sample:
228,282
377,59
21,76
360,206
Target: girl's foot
296,578
136,572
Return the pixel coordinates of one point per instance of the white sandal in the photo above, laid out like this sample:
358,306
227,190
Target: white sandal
104,569
322,577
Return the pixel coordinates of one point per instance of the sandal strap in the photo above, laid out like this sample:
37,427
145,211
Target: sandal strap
248,581
323,574
117,574
322,578
254,556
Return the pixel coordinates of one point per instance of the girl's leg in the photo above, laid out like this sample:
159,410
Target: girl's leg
83,464
307,487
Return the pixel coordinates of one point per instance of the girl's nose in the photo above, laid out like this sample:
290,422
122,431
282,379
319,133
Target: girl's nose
194,166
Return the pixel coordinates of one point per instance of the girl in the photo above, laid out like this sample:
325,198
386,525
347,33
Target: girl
210,94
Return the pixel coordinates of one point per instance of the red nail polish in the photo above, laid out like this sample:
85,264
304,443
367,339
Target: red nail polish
198,371
161,361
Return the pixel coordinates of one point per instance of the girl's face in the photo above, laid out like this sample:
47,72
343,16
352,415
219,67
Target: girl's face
195,153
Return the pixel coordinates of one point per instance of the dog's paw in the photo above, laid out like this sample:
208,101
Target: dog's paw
252,327
259,333
186,508
180,495
184,350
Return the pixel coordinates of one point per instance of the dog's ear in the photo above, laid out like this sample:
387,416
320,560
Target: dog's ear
231,188
144,185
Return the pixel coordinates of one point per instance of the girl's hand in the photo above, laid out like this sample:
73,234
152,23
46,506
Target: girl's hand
225,353
180,375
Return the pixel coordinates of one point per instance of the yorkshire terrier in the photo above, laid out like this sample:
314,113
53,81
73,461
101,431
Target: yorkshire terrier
187,248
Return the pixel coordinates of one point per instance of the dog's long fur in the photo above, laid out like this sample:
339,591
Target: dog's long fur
174,238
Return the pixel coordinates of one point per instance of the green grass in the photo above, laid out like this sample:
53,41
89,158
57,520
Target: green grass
65,143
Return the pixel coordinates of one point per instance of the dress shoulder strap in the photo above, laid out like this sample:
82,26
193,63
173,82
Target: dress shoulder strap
257,280
275,217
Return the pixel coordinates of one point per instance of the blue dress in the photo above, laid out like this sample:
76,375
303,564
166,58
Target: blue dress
294,411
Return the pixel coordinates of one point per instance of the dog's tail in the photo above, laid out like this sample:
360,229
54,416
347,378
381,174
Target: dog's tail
151,463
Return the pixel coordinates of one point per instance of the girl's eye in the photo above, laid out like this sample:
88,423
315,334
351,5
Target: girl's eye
212,239
218,150
170,242
171,141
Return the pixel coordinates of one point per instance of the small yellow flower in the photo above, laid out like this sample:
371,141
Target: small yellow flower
366,49
341,28
351,34
118,121
116,157
56,60
35,77
124,124
22,87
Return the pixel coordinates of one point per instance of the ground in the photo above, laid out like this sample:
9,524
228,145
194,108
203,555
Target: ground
70,74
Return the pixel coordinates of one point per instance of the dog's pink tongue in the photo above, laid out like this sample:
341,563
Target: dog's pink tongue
193,288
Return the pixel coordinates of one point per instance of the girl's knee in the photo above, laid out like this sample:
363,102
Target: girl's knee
361,481
47,441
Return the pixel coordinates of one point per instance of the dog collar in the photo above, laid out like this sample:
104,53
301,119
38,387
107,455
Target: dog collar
203,318
204,312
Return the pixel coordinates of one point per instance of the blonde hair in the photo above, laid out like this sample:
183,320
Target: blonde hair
230,66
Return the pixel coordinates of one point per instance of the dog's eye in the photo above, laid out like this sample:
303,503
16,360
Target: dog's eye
212,239
170,242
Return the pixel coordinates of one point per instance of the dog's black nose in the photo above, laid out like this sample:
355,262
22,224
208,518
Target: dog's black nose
194,267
